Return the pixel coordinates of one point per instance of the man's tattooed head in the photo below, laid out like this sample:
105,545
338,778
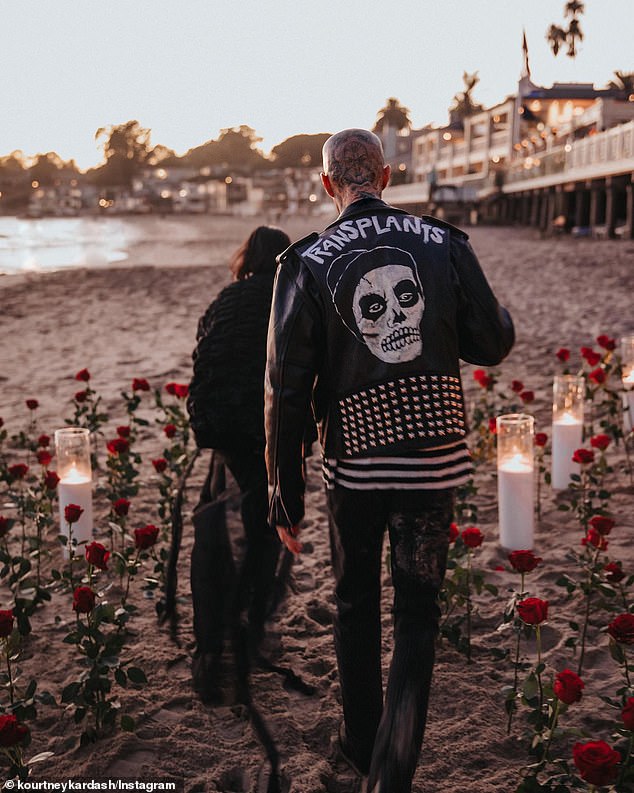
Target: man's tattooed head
353,160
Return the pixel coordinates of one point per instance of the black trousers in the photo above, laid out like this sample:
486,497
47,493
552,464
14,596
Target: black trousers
220,595
387,739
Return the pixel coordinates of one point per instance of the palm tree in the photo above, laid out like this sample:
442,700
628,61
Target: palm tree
557,36
624,82
394,114
464,105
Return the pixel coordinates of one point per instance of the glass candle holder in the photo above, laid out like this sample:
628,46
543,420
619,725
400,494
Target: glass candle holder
567,430
627,375
72,448
516,476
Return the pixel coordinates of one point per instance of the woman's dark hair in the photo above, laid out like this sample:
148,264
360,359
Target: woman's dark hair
258,253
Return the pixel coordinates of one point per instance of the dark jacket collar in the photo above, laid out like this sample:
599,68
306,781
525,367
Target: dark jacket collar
362,207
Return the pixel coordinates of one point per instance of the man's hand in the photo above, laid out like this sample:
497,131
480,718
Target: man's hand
288,537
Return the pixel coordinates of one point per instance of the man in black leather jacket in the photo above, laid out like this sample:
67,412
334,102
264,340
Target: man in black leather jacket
368,323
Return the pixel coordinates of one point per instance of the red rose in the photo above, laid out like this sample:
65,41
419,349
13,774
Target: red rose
590,356
493,425
527,396
524,561
121,507
81,396
179,390
72,513
159,465
597,376
606,342
18,471
32,404
97,555
5,525
627,714
596,762
614,572
541,439
118,446
145,537
568,687
123,431
43,457
563,354
453,532
601,441
621,629
51,480
595,539
583,456
83,600
11,731
83,374
169,430
602,524
482,378
140,384
43,441
517,386
472,537
532,611
6,623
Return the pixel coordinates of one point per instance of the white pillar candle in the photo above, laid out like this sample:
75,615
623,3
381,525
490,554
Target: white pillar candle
75,489
516,499
567,438
72,446
516,503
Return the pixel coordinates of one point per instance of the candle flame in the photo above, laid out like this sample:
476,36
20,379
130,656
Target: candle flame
74,477
567,418
518,463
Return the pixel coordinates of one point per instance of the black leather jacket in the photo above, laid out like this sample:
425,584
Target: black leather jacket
368,323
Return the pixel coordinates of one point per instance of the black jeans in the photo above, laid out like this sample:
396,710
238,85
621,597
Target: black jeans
387,740
219,595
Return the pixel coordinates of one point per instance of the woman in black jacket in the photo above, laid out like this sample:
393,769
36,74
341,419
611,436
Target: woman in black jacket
226,407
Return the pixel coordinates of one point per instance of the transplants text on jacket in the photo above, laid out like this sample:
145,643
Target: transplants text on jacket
369,321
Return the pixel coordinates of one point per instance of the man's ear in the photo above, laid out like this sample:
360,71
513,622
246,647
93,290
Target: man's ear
325,180
385,178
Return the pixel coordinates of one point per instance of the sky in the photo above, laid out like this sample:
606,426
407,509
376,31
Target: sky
186,69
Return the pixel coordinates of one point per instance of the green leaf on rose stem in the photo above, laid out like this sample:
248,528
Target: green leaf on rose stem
38,758
46,698
563,507
69,693
530,687
136,675
72,638
120,677
30,690
570,642
617,652
127,723
574,625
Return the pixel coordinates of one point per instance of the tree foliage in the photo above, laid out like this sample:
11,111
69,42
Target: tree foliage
235,151
126,149
299,151
463,104
558,36
623,81
393,114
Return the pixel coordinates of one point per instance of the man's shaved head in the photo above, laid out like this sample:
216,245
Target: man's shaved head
353,158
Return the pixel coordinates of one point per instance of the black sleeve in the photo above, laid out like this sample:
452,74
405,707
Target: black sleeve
293,356
485,328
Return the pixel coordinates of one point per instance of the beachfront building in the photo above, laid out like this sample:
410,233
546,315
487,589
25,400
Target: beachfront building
557,158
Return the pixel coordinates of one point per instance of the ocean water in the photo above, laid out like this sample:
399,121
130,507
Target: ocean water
56,243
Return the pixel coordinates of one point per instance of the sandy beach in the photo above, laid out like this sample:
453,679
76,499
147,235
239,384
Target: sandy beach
138,319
